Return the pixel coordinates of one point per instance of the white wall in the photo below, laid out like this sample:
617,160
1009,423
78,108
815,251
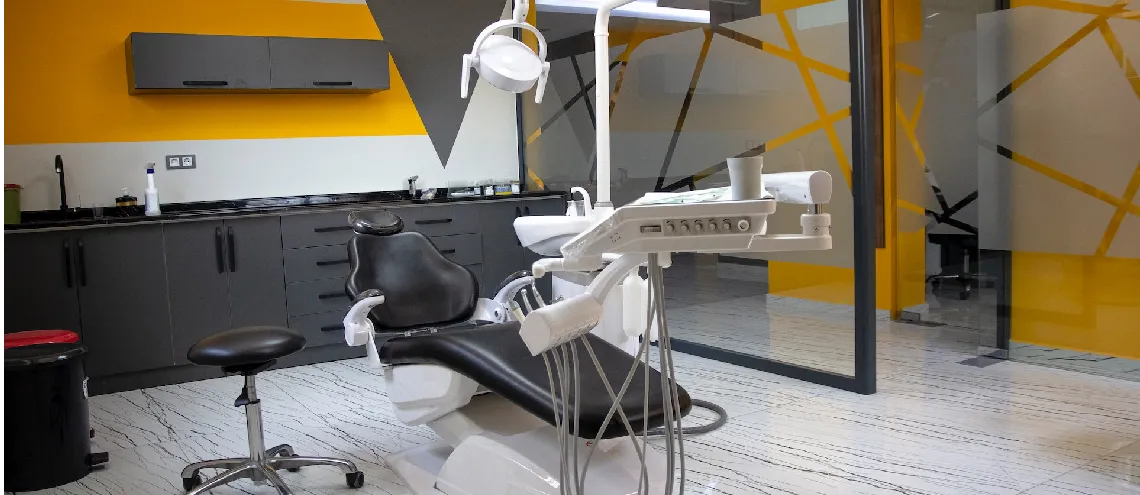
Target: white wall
486,148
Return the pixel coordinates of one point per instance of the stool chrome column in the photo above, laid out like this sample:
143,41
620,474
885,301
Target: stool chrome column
250,351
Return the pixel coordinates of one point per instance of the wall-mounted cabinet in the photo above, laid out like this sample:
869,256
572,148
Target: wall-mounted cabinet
328,64
188,63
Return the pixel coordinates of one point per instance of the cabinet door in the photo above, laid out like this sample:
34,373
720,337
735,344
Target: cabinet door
328,64
123,294
199,289
257,272
197,62
502,253
39,280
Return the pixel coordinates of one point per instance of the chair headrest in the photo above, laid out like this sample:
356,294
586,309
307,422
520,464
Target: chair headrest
375,222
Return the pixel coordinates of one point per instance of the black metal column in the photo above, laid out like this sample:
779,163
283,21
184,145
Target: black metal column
866,142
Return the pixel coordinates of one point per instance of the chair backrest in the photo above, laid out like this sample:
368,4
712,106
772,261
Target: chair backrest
421,286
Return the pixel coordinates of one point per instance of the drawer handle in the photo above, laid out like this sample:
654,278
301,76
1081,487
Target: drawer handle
332,83
433,222
322,230
332,295
332,328
205,83
446,251
330,263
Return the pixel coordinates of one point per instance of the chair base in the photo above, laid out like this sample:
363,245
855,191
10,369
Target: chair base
263,471
491,464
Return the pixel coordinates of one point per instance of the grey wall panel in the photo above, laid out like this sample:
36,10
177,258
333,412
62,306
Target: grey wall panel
427,40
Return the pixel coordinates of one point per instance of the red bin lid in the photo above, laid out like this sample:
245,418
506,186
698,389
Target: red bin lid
13,186
32,337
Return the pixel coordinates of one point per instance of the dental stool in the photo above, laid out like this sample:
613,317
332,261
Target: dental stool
250,351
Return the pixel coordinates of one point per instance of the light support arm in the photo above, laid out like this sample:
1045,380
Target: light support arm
602,99
522,7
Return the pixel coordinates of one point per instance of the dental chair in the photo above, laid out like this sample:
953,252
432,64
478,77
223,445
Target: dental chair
477,385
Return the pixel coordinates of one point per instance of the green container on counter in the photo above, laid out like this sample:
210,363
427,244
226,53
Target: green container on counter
11,203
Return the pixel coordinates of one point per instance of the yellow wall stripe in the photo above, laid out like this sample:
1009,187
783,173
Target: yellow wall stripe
1071,6
1121,57
779,6
811,63
1118,216
816,98
909,130
905,67
67,74
1074,183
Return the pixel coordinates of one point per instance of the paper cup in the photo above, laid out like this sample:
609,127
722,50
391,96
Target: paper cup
744,176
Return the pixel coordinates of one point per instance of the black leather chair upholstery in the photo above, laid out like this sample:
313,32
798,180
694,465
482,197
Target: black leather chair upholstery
421,287
245,349
375,222
495,357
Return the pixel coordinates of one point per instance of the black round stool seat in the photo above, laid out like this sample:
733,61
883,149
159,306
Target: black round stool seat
245,348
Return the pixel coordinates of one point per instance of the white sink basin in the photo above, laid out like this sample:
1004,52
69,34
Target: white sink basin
545,235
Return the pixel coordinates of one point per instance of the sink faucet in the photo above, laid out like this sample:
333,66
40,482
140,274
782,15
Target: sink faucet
62,186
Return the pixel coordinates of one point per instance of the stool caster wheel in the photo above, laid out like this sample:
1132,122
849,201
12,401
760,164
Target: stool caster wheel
354,480
964,295
293,470
192,482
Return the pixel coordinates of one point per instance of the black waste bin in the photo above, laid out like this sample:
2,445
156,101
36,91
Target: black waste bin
47,435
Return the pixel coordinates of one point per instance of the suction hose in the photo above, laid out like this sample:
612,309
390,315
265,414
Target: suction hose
721,419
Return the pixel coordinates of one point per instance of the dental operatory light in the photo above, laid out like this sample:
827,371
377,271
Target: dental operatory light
507,63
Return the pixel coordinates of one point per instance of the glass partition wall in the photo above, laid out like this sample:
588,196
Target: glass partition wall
1018,162
692,87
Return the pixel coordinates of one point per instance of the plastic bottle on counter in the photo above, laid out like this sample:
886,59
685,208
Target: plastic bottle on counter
151,193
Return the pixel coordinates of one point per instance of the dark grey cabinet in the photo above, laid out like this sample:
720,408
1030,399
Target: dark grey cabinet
125,320
39,277
502,253
140,295
323,63
257,272
199,282
160,61
223,275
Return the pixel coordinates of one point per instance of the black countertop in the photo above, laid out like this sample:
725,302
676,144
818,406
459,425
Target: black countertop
84,217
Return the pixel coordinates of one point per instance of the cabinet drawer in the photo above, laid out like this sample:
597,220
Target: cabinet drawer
320,329
465,249
317,296
440,220
318,229
316,263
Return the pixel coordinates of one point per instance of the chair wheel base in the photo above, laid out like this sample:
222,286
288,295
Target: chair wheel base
191,482
354,480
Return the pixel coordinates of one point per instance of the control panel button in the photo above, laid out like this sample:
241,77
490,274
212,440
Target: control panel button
684,228
743,225
698,226
670,228
712,225
726,226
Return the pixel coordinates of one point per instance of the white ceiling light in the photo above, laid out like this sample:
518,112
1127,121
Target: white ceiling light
507,63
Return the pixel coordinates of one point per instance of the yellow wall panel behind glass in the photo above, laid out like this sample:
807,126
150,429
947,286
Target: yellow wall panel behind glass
66,75
1083,303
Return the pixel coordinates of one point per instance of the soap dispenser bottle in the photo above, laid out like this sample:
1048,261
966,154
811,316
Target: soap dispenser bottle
151,193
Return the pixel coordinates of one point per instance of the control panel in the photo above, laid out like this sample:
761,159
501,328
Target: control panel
698,226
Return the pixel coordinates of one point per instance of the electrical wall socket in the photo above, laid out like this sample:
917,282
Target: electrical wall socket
179,162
